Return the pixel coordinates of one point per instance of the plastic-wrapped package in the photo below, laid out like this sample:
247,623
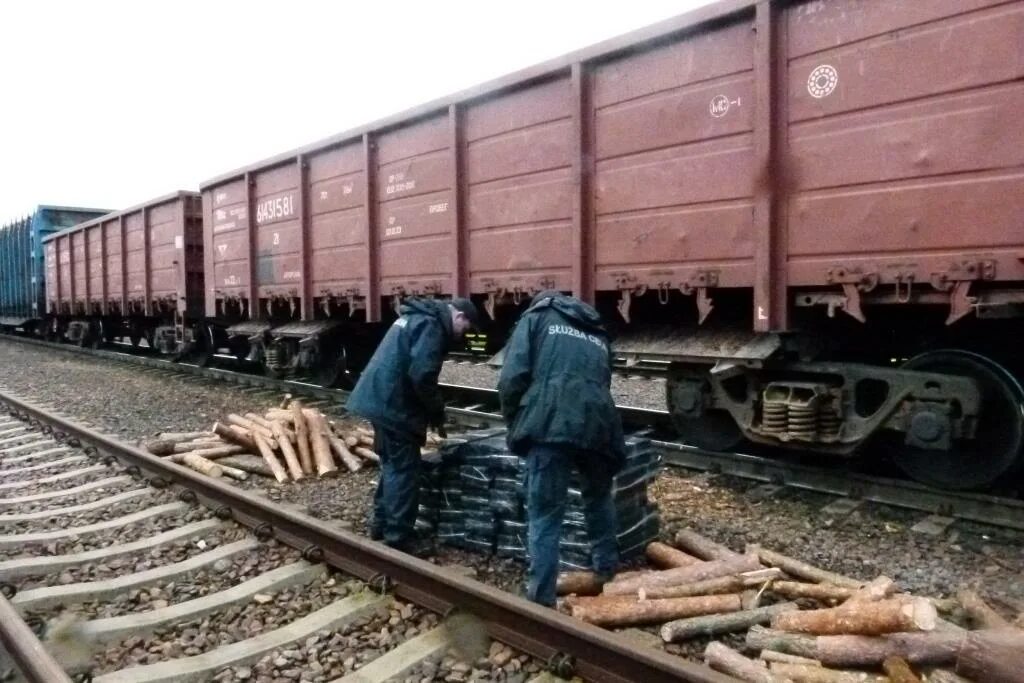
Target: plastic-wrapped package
507,504
513,526
511,545
452,534
475,497
506,482
452,494
480,526
569,563
432,498
475,502
451,516
628,536
479,545
475,479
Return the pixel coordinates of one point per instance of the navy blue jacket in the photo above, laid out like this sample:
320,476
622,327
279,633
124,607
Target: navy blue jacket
556,378
398,389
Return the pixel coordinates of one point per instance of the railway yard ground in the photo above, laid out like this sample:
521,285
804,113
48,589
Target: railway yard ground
134,403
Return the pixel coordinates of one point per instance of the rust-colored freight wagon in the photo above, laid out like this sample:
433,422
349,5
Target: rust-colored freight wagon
135,274
782,200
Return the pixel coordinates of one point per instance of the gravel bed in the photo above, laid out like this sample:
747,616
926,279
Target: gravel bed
639,392
107,512
118,536
264,613
68,501
216,577
872,540
331,654
500,664
137,402
138,562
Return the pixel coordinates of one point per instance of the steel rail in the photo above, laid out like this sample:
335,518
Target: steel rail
593,653
33,661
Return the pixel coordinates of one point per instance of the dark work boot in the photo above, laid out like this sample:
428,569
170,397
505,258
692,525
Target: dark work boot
420,548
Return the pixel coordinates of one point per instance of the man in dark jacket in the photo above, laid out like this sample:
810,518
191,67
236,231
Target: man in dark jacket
555,394
398,393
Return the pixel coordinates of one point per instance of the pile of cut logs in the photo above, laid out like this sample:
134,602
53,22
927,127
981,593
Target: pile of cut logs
815,626
289,443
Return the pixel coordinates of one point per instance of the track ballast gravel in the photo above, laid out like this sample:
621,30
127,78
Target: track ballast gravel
871,541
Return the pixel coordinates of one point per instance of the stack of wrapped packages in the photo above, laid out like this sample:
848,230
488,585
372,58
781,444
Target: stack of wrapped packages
473,496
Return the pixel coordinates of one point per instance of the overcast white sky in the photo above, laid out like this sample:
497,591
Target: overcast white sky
109,104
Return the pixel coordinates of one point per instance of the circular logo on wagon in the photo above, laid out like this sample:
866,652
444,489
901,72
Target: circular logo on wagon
719,106
822,81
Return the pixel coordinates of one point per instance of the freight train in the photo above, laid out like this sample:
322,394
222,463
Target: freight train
810,213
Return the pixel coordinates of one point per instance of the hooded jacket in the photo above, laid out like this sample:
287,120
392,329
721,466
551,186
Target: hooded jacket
556,378
398,389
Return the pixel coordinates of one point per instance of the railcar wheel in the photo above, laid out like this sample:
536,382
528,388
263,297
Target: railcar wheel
275,373
240,349
711,429
996,450
98,336
206,347
715,430
334,373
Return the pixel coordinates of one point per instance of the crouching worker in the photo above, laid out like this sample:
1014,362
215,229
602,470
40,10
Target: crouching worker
398,394
555,394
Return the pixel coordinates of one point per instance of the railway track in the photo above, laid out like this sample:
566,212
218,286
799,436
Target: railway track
88,520
478,407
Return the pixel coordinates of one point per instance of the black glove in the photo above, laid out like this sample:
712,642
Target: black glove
442,432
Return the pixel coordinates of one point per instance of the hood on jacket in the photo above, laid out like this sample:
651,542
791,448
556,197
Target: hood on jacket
583,314
431,307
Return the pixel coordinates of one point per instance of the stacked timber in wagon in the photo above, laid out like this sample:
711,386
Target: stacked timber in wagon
290,442
803,624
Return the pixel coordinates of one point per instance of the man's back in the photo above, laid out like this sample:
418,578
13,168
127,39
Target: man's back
555,380
398,388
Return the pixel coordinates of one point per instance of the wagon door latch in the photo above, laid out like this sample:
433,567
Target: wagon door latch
628,287
397,294
698,284
957,280
854,282
356,302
